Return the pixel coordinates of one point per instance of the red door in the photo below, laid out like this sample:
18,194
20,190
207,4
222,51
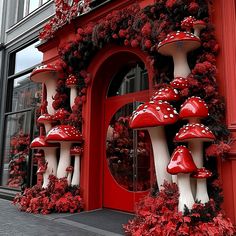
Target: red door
127,165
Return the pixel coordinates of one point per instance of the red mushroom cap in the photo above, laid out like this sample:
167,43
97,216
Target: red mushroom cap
181,162
194,131
45,118
188,42
65,133
200,24
69,169
71,81
193,107
40,143
153,114
76,150
61,114
166,94
201,173
187,23
41,73
179,83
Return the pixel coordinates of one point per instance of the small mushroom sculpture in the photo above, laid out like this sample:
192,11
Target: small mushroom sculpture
61,115
47,75
201,175
153,116
72,83
46,120
198,25
187,23
50,156
179,83
69,171
178,44
66,135
182,165
76,152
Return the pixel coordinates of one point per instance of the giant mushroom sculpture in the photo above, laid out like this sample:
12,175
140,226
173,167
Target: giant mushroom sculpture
47,74
177,45
50,156
65,135
181,164
153,116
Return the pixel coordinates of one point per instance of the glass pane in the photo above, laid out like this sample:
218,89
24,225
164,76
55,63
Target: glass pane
128,152
27,58
16,151
25,94
129,80
33,4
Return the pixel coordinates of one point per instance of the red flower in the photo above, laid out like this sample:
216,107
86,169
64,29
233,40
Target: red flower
147,29
170,3
134,43
193,8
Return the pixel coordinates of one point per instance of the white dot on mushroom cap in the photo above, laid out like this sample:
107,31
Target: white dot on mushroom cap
165,116
158,108
203,131
168,109
171,115
151,102
175,112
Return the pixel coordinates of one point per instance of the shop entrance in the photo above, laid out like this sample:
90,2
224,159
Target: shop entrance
127,159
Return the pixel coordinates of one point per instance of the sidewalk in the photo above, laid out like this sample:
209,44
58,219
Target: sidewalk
94,223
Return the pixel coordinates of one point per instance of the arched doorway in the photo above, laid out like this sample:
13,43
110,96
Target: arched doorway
116,179
127,161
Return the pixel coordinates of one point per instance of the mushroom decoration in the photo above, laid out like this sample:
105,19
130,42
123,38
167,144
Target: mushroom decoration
166,94
179,83
40,172
50,156
65,135
177,45
153,116
69,171
77,152
47,74
71,83
181,164
61,115
46,120
198,25
187,23
195,135
194,109
201,175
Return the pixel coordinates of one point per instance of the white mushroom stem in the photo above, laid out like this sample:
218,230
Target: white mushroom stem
69,178
51,159
76,174
73,95
51,85
185,194
161,154
181,67
196,148
65,159
47,126
202,194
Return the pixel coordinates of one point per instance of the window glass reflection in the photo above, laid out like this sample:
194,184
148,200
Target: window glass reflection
33,4
16,151
25,94
129,80
128,152
27,58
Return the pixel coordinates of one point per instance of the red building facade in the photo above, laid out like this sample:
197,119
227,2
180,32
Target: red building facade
100,188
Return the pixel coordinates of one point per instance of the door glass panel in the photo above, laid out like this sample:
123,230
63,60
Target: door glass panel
128,152
16,150
129,80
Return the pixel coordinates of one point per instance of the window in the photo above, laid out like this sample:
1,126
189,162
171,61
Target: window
22,99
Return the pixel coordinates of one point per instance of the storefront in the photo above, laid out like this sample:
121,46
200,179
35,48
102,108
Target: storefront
117,166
